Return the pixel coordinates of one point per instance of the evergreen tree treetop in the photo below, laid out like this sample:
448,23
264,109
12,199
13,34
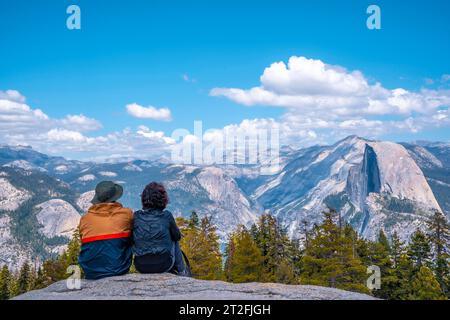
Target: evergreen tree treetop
439,235
419,249
193,220
5,279
425,286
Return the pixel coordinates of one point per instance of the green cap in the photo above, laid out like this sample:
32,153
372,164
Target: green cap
107,191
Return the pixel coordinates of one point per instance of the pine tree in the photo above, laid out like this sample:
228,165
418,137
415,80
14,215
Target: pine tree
54,270
32,278
397,249
419,249
275,247
254,231
208,257
189,241
14,285
24,278
229,257
439,235
201,244
305,232
363,250
41,280
330,258
285,273
182,223
383,241
425,286
5,279
380,256
73,249
404,271
247,261
193,221
295,253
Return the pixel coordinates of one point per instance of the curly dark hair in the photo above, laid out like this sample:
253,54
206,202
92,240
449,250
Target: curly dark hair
154,196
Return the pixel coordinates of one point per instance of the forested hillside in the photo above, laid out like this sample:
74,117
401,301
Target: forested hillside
334,256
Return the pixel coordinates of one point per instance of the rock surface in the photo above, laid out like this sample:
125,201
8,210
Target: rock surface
11,197
58,218
11,253
171,287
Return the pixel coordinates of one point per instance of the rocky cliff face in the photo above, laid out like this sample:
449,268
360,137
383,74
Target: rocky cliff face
11,197
373,184
57,218
400,176
171,287
12,252
434,160
38,215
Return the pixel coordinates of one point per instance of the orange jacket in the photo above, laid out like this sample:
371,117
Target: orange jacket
106,221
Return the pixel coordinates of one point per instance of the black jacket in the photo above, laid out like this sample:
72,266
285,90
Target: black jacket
154,232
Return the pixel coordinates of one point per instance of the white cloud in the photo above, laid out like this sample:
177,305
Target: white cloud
65,135
81,123
322,103
187,78
22,125
12,95
147,133
73,144
304,76
288,132
333,102
309,86
149,112
16,117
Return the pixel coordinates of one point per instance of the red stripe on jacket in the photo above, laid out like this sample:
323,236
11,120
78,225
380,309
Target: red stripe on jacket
106,237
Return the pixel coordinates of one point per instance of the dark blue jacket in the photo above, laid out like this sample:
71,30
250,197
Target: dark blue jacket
105,232
106,258
154,232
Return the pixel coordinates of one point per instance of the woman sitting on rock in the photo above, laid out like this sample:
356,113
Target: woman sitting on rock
156,235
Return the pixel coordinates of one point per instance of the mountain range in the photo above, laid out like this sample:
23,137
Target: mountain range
372,184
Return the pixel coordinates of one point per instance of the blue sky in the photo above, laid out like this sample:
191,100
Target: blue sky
139,51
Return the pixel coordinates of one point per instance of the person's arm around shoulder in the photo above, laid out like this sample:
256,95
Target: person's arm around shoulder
174,231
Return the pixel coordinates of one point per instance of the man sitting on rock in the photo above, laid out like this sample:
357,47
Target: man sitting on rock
105,232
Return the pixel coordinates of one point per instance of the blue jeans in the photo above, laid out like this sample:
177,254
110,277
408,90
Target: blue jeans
179,266
172,262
